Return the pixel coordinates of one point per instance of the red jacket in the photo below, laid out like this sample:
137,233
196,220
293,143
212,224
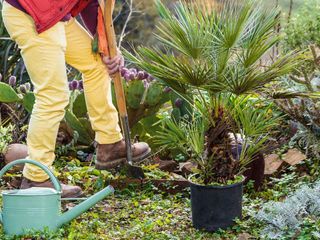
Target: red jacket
47,13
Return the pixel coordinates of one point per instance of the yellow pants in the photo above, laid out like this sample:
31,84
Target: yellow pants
45,56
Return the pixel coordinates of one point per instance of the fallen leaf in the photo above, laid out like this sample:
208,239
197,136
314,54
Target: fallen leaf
107,208
272,164
244,236
294,157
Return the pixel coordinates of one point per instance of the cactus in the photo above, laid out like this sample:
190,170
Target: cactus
181,108
23,89
176,114
12,81
155,94
79,106
144,95
75,118
28,101
8,94
78,125
134,93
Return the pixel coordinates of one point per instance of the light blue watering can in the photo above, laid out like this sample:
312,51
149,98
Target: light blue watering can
37,208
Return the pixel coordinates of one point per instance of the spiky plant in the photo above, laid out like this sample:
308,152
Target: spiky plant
213,55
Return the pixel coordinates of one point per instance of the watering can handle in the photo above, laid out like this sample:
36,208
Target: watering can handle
54,180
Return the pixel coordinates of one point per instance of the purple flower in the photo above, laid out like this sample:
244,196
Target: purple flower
70,86
178,102
140,75
145,83
132,76
146,75
124,71
126,76
150,78
28,86
80,86
12,81
167,89
74,84
23,89
133,70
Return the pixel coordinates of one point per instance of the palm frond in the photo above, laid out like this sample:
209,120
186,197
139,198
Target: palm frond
187,31
159,64
289,95
231,23
217,52
172,136
245,80
254,124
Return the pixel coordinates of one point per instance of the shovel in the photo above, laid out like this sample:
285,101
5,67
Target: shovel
129,169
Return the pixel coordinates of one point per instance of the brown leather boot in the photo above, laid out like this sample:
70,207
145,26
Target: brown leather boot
112,155
67,190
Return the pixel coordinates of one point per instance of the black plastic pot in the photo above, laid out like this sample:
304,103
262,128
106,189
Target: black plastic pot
215,207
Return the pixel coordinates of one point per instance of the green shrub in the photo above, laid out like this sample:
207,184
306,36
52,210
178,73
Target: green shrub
304,27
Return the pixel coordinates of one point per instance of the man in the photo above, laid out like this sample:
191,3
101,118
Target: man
49,37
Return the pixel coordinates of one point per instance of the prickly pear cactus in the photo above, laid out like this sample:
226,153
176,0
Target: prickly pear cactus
134,93
28,101
154,94
79,106
144,95
8,94
81,126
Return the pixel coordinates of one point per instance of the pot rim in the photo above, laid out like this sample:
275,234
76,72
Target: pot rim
216,186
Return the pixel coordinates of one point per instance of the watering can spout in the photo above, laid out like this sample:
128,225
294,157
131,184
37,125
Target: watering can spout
84,206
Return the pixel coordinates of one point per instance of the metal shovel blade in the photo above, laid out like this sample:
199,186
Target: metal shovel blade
133,171
129,169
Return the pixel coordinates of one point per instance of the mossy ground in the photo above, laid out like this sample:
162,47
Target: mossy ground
150,214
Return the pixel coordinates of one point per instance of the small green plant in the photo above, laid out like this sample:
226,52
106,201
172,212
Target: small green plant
6,137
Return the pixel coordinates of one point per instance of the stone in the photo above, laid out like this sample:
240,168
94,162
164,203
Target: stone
14,152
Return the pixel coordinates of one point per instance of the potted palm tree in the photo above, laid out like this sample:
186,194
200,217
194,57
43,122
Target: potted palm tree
218,61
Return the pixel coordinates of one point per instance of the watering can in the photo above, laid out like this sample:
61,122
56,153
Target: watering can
36,208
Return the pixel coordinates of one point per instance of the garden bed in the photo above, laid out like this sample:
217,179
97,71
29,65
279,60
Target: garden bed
163,185
145,211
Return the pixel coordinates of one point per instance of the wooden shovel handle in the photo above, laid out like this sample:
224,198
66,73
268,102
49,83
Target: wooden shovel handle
112,43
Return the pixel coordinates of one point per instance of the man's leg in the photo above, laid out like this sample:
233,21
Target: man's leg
97,88
44,57
103,115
